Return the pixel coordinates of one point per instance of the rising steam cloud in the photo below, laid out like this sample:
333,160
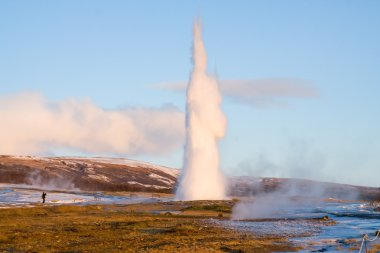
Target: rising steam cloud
262,93
32,125
205,124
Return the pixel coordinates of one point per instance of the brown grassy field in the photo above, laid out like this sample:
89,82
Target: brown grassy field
155,227
127,228
375,248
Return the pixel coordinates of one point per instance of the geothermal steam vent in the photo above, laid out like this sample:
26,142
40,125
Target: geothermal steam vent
205,125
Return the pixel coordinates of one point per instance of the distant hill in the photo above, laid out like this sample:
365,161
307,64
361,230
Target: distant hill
251,186
116,174
90,174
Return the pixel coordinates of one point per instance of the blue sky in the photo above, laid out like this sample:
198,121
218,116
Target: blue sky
117,53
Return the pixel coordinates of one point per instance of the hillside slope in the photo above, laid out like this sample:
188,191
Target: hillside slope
115,174
93,174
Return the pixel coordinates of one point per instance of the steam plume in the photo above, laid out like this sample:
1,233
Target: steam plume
205,124
30,124
261,93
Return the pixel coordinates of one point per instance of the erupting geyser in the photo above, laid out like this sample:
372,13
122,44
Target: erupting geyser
205,125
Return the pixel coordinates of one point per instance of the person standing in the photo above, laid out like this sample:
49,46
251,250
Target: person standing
43,197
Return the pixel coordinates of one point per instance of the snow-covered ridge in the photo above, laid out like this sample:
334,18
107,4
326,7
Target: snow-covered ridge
86,173
128,162
106,160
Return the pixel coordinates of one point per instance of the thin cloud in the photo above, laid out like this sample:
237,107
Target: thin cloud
30,124
258,92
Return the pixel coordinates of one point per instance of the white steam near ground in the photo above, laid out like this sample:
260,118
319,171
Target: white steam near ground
30,124
289,200
301,161
271,206
289,197
201,177
36,179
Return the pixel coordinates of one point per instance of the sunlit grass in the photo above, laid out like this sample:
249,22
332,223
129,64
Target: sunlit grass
119,228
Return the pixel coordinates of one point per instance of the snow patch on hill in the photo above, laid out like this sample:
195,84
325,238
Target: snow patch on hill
162,179
148,185
99,177
128,162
